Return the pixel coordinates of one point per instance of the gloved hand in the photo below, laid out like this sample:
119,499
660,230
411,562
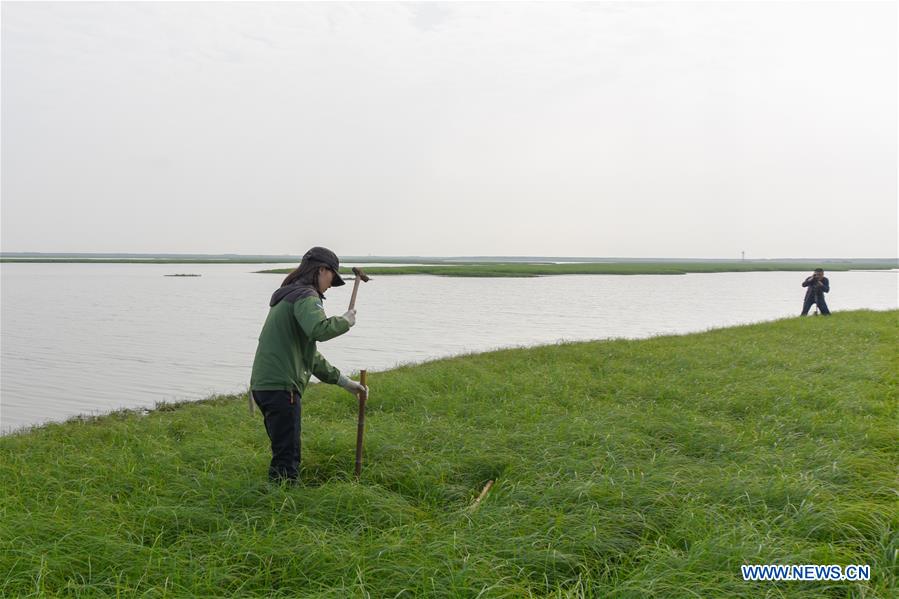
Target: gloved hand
350,316
352,386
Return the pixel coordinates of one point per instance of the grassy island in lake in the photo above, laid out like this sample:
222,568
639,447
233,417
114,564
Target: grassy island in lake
515,269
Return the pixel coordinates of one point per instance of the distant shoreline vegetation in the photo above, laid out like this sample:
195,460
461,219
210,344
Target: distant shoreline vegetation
478,266
609,268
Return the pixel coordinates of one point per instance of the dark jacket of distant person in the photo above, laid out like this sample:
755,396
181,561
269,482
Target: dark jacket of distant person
816,288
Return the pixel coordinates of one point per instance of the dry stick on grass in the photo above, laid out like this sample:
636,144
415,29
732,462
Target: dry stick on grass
483,494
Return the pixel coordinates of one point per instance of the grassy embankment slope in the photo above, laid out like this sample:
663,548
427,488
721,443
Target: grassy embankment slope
606,268
650,468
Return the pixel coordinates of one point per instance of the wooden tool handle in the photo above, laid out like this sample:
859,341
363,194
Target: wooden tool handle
360,428
353,297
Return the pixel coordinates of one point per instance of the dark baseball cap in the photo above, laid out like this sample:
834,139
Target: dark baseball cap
325,257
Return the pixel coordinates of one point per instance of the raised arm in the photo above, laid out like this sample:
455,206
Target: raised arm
311,317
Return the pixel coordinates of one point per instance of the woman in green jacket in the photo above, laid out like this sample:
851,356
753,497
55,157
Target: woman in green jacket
286,355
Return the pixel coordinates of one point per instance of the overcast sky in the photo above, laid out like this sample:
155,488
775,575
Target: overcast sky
598,129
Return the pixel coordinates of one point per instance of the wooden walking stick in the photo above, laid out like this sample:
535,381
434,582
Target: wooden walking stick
360,428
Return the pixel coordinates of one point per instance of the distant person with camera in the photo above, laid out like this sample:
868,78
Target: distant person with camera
817,285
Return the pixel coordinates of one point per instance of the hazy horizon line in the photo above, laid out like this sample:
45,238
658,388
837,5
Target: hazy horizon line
372,257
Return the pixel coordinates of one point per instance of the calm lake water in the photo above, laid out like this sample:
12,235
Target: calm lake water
91,338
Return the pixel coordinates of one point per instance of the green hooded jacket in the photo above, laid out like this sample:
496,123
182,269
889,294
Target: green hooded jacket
286,355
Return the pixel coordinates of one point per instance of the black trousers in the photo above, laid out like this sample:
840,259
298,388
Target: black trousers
282,414
822,305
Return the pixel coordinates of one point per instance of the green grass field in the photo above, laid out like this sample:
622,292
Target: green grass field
649,468
610,268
